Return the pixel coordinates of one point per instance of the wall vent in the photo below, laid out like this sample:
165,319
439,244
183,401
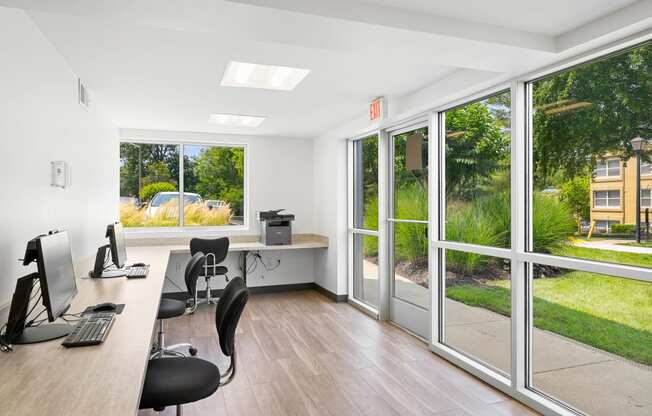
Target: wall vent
82,92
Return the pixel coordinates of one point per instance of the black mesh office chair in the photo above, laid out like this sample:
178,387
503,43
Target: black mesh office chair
216,251
171,308
179,380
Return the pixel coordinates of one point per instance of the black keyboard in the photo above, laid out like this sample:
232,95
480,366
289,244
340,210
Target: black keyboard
91,329
137,272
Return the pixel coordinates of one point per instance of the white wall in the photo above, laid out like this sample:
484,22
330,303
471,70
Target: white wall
41,121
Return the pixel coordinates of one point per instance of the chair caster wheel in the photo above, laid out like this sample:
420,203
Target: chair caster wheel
192,351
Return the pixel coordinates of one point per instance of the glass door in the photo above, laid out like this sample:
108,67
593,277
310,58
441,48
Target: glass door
409,270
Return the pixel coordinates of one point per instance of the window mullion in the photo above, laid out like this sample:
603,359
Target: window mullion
181,190
520,178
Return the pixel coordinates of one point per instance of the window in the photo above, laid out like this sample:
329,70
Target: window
150,187
646,168
365,179
607,168
364,230
646,198
477,160
606,199
588,319
604,226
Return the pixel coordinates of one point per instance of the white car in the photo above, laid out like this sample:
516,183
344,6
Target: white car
213,203
162,198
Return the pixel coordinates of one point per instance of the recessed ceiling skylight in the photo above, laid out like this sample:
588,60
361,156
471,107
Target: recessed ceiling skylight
242,74
236,120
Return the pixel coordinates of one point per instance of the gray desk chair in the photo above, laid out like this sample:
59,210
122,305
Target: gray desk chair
171,308
215,251
179,380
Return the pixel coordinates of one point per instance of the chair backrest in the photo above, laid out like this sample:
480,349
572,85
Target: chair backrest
218,247
228,311
194,269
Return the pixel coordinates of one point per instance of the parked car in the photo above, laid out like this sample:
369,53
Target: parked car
162,198
213,203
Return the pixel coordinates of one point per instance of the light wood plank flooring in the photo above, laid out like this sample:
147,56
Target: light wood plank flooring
302,354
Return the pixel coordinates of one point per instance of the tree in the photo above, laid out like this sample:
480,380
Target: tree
591,110
154,162
157,171
477,146
220,175
575,193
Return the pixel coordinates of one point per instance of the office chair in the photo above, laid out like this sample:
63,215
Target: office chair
178,380
216,251
171,308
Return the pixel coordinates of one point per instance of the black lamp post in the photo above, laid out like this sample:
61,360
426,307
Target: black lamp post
637,146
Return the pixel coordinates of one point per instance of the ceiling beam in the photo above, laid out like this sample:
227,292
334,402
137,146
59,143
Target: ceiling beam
352,10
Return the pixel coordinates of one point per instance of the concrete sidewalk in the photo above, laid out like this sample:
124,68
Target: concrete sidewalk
595,382
614,245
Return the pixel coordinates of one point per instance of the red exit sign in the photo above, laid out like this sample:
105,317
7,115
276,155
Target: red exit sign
377,109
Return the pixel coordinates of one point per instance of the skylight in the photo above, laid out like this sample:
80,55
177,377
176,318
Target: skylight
236,120
270,77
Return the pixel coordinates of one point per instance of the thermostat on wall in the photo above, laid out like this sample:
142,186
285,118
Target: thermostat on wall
59,173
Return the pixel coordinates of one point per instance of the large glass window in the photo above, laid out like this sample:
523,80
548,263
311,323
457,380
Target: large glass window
477,308
591,339
477,171
365,269
365,179
583,122
364,230
151,189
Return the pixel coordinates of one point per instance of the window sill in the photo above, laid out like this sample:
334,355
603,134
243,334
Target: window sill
181,232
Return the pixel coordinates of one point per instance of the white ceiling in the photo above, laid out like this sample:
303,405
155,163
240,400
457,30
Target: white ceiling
547,17
158,65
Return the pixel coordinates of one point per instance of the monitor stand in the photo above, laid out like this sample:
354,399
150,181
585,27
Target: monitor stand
34,334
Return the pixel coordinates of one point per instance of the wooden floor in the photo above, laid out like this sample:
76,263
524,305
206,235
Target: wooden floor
302,354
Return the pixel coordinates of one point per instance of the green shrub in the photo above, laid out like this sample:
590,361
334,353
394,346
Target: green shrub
552,223
148,191
370,244
623,228
411,239
484,221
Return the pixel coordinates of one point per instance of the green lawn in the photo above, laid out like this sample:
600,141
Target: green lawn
608,313
633,259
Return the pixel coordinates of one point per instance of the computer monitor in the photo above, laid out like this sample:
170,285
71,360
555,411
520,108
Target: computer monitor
56,273
115,234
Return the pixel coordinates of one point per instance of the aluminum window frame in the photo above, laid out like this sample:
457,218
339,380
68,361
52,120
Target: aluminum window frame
135,232
352,231
607,169
607,199
519,384
411,125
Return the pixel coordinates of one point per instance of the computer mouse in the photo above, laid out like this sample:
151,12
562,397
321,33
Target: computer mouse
105,307
138,265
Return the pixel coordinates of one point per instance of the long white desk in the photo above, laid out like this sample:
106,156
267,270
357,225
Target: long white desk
49,379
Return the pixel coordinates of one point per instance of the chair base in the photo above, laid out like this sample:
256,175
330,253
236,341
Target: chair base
160,350
172,351
208,299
